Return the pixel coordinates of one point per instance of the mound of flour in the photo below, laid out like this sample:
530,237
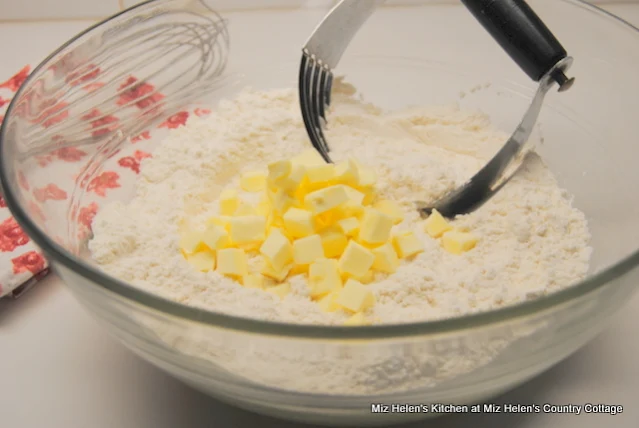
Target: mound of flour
532,241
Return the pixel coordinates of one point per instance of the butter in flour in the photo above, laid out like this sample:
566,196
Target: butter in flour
532,240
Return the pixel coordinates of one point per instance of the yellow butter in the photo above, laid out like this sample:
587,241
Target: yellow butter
346,173
282,202
307,250
277,249
349,226
355,296
263,207
366,279
356,260
375,227
298,222
279,170
391,209
245,209
253,181
366,175
294,180
456,242
325,199
386,259
278,275
356,320
436,225
215,237
281,290
308,158
328,303
203,261
247,229
323,277
190,241
333,241
355,197
229,202
406,244
320,174
253,280
222,221
232,262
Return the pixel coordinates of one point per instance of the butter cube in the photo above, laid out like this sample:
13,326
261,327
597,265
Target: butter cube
222,221
325,199
277,249
190,241
386,259
356,320
366,279
253,181
323,277
263,207
355,296
436,225
278,171
391,209
203,261
366,175
356,260
278,275
309,158
247,229
406,244
354,196
320,173
346,173
232,262
456,242
375,227
349,226
351,210
229,201
334,242
307,250
328,303
298,222
253,280
295,179
282,202
245,209
215,237
326,219
281,290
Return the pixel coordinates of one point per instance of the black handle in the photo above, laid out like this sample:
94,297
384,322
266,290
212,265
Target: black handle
522,34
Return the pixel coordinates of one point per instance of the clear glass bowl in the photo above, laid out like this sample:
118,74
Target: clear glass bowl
62,160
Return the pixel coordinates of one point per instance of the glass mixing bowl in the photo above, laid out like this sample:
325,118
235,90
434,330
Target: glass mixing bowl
74,135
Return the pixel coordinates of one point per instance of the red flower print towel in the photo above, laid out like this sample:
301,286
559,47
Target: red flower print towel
21,262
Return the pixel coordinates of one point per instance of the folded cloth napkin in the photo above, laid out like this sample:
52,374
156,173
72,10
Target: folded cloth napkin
21,261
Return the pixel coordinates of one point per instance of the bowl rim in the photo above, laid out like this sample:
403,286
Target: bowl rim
158,303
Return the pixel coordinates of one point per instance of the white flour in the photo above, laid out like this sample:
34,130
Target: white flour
532,241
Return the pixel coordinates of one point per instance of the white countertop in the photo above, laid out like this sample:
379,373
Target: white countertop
61,370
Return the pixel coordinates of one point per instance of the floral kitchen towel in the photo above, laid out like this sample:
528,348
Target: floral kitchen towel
21,262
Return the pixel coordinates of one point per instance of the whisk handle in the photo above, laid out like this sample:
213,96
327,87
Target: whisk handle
521,33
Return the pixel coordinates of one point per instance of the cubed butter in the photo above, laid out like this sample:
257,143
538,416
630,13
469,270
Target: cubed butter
309,157
294,180
328,303
320,174
253,181
375,227
386,259
279,170
215,237
203,261
281,290
278,275
367,278
277,249
355,296
190,241
366,175
245,209
325,199
356,320
282,202
349,226
356,260
263,207
354,196
391,209
346,173
406,244
436,225
232,262
457,242
247,229
298,222
229,202
323,277
253,280
333,241
307,250
222,220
